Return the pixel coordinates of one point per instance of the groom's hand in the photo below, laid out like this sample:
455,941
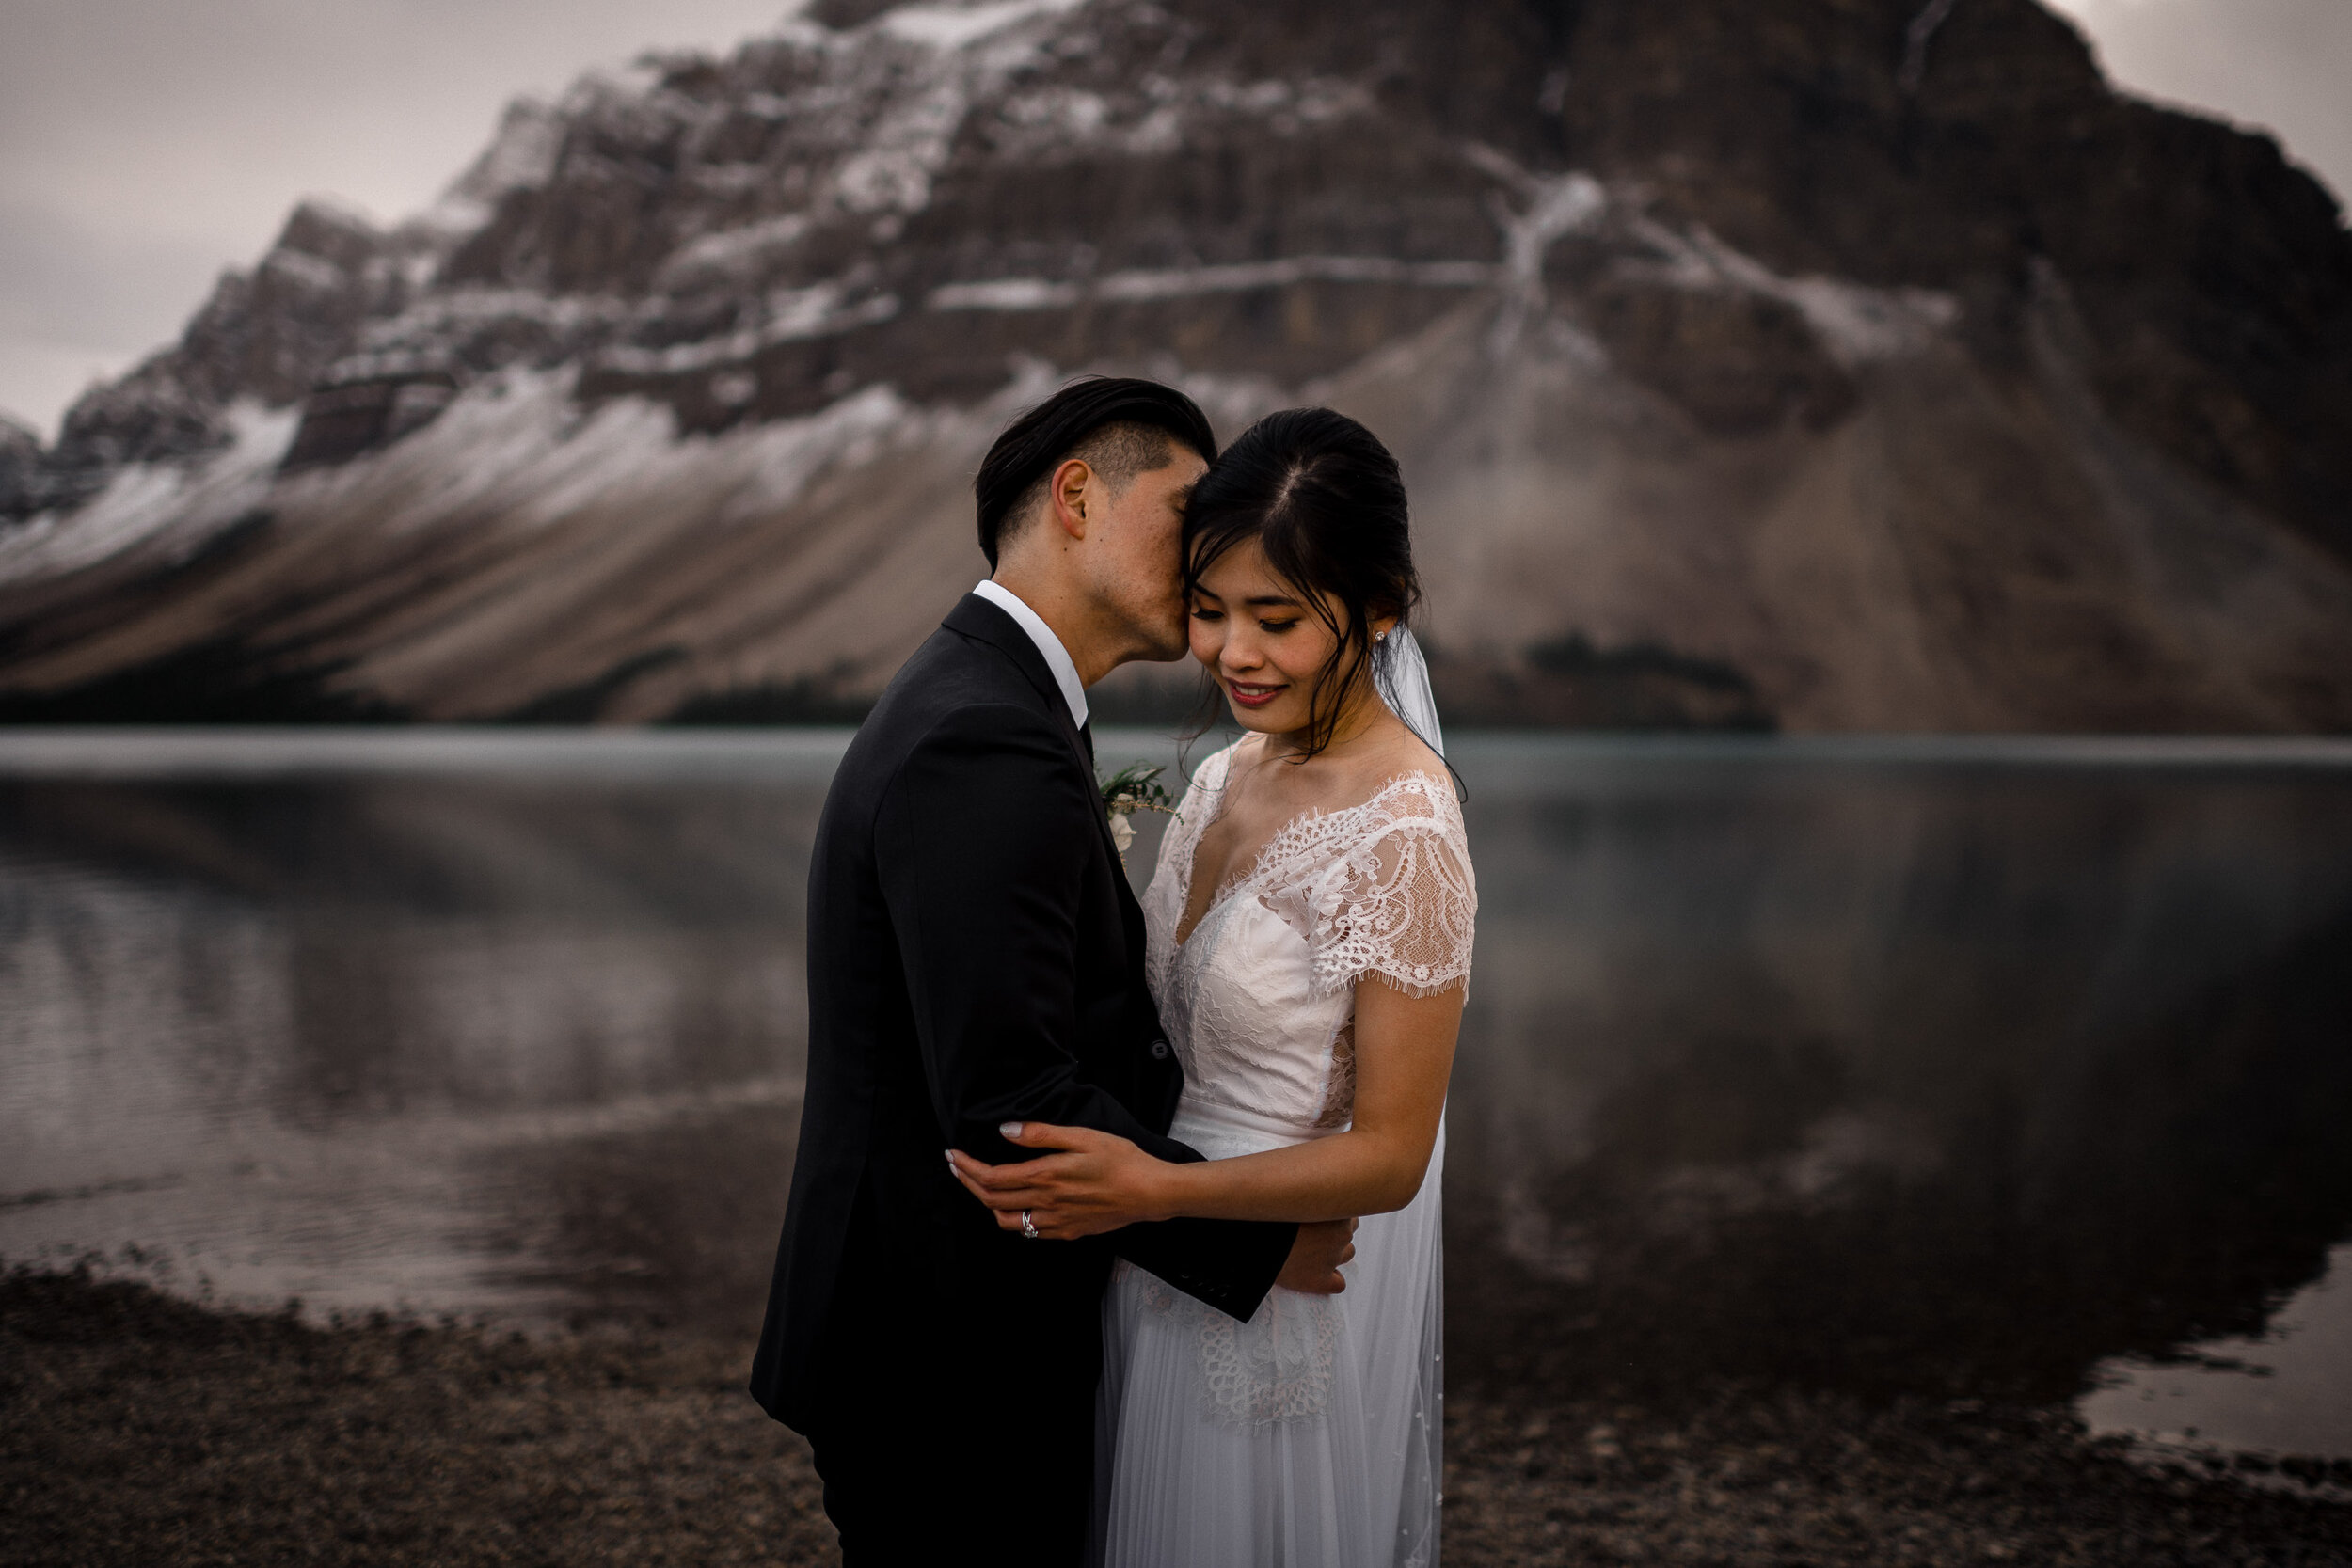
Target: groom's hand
1317,1255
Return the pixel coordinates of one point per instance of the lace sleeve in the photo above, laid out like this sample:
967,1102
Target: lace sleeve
1401,903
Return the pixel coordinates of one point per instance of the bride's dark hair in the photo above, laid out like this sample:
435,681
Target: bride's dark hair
1326,501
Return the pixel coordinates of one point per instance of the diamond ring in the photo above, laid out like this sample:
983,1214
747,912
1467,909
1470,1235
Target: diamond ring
1029,1228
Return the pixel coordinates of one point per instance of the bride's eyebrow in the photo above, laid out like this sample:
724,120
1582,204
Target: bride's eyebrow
1273,601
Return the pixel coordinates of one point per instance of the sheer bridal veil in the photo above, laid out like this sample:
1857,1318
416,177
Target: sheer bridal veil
1403,677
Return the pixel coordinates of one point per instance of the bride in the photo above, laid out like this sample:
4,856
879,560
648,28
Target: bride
1309,947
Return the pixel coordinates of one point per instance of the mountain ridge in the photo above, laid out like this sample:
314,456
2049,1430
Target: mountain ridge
1822,364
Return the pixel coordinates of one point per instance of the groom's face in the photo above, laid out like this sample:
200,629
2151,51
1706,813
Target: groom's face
1138,569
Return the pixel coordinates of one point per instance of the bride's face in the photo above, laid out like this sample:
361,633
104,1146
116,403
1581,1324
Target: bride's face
1266,646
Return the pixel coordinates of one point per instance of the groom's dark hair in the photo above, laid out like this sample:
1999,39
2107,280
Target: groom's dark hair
1119,425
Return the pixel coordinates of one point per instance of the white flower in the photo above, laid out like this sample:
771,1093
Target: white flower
1123,833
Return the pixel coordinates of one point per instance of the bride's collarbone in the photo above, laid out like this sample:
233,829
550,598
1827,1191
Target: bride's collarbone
1266,793
1262,795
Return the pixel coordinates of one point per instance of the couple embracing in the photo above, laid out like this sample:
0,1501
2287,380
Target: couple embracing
1114,1233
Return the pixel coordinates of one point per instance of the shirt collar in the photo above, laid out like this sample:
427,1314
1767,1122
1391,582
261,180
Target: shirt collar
1074,690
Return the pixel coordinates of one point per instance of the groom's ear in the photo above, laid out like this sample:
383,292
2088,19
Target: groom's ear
1067,497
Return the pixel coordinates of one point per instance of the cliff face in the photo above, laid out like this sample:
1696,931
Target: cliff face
1827,363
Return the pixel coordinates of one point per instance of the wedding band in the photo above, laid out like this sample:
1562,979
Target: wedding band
1029,1228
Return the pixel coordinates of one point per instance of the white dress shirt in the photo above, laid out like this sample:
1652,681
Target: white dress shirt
1074,690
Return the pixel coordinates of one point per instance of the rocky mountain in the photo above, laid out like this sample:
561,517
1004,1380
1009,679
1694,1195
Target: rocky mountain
1812,363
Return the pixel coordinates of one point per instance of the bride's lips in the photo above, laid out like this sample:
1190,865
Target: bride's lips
1252,696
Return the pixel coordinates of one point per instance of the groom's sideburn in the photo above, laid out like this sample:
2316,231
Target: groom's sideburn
976,957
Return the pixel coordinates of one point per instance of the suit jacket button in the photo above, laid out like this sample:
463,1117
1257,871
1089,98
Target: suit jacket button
1159,1051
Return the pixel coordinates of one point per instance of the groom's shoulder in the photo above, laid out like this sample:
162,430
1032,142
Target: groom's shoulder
959,691
951,671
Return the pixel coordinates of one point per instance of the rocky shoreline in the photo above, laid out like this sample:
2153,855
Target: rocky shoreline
144,1429
1783,1480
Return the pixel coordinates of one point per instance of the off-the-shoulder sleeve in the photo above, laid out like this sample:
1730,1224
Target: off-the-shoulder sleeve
1401,902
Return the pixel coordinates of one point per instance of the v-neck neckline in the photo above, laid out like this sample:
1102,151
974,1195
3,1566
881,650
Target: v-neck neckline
1258,863
1192,858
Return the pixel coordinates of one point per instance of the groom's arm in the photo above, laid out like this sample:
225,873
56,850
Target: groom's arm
983,841
1229,1264
980,844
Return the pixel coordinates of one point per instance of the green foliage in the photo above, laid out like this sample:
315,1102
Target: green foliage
1137,787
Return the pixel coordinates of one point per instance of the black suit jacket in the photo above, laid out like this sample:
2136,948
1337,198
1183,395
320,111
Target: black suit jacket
974,957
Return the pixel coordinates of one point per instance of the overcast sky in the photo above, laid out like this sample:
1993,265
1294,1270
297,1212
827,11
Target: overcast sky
145,144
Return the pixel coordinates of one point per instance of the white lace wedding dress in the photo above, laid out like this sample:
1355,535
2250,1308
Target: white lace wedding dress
1308,1437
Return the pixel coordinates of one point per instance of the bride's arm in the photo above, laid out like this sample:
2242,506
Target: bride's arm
1099,1181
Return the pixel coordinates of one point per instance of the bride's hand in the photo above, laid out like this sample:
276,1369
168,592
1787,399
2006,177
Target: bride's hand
1096,1182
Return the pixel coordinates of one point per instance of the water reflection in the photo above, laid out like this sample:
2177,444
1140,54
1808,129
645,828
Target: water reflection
1942,1079
372,1037
2281,1391
1958,1070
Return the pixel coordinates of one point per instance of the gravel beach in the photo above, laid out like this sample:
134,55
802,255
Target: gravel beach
144,1430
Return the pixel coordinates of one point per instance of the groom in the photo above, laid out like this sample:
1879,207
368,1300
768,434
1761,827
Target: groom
974,961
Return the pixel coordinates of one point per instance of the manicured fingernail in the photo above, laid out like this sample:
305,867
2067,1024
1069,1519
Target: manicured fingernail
1009,1129
952,1158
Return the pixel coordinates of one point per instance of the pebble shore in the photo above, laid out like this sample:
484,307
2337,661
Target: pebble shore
142,1428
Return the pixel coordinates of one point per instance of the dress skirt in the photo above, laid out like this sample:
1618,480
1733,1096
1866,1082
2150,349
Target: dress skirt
1308,1437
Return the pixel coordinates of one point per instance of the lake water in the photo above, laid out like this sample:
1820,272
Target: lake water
1940,1069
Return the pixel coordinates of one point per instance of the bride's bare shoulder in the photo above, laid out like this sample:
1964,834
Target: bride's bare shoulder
1402,754
1376,771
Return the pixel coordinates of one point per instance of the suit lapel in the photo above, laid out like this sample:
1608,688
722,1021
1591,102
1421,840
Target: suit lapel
976,618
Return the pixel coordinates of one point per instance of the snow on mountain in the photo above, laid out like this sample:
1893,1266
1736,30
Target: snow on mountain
1753,362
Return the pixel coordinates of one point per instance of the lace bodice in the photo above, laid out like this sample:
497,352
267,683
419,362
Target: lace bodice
1259,999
